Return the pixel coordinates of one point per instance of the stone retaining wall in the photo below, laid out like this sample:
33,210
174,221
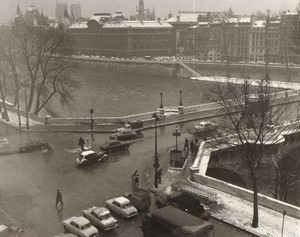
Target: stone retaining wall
263,200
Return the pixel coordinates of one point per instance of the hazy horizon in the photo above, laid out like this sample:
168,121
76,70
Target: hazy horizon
161,7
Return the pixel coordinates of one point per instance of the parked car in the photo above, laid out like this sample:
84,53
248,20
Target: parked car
114,146
183,202
122,207
33,146
101,218
90,157
205,126
80,226
126,136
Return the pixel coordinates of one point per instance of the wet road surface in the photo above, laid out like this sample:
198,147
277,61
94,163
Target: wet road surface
28,181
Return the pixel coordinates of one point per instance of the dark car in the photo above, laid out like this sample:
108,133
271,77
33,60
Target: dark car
126,136
114,146
90,157
184,202
34,146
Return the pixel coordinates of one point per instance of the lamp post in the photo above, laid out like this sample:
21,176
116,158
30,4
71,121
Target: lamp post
284,213
92,111
176,134
161,103
156,164
180,107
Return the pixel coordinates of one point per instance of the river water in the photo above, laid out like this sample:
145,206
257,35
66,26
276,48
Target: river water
117,94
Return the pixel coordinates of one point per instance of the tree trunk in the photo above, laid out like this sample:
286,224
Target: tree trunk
3,101
255,202
31,96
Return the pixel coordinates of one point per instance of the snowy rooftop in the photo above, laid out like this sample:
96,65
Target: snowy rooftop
189,16
137,24
245,20
79,25
259,23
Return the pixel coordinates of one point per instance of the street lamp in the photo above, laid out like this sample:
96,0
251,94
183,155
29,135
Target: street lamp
180,107
180,103
161,103
156,164
92,111
176,134
284,213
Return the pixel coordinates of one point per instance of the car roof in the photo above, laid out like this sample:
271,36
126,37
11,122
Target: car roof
122,200
81,221
85,153
100,211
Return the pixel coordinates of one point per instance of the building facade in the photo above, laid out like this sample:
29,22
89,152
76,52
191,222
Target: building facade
122,38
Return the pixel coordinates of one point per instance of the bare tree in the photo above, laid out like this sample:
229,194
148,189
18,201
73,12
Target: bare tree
252,122
44,54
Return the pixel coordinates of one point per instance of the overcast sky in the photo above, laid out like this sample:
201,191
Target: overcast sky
162,7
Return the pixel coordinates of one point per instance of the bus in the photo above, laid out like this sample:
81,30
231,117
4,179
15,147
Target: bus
172,222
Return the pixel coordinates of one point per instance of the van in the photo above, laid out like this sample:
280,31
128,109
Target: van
170,221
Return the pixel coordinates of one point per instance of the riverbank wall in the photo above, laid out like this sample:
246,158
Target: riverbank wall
190,69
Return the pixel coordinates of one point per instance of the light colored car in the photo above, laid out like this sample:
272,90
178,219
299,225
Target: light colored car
80,226
122,207
205,126
101,218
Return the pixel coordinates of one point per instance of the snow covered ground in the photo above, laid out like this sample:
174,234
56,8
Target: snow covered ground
238,212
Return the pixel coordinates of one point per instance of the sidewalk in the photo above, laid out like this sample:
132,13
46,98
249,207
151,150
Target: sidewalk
230,209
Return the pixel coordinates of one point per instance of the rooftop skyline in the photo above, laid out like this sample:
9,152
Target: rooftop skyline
162,7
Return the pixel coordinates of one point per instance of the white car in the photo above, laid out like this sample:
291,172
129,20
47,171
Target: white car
205,126
122,207
101,218
80,226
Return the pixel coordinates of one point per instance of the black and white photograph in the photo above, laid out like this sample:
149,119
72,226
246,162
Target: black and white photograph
149,118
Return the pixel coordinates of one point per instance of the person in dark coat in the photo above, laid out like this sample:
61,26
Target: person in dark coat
186,144
159,173
136,181
192,145
58,198
81,143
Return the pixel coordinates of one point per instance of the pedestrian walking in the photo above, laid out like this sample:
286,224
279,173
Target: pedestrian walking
81,143
136,181
59,198
186,144
192,146
159,173
133,185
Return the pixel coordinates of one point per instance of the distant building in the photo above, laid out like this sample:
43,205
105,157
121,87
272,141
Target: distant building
103,36
32,15
75,11
257,45
60,10
143,14
288,50
186,19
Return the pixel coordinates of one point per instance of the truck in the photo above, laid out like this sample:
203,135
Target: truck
185,202
170,221
140,198
131,126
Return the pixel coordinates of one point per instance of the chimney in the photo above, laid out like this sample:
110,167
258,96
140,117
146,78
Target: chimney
178,17
141,21
158,20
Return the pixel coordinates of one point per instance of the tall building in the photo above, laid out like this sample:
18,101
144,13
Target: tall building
257,42
75,11
143,14
60,10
